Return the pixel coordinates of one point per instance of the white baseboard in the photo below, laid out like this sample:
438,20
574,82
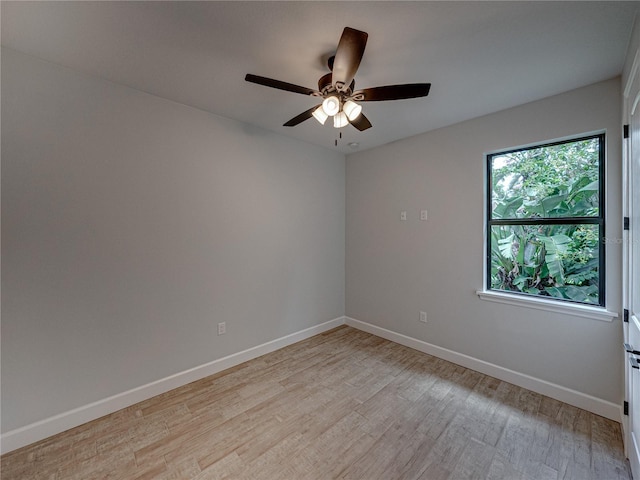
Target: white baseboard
595,405
34,432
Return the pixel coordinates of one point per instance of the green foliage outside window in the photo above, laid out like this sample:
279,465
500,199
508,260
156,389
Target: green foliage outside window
545,221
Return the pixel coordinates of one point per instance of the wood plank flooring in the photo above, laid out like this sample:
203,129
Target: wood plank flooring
341,405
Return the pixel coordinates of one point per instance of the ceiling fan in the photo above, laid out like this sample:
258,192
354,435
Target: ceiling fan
337,88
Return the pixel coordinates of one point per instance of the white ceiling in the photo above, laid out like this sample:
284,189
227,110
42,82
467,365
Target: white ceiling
480,57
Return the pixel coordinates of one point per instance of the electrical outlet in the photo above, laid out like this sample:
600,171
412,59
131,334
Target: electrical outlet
423,317
423,214
222,328
403,215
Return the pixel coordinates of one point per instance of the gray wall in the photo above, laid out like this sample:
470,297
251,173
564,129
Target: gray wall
395,269
133,225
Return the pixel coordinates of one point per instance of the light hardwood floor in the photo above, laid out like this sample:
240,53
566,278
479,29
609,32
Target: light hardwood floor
341,405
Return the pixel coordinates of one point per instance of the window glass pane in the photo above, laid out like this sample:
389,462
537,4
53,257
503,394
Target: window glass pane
547,182
558,261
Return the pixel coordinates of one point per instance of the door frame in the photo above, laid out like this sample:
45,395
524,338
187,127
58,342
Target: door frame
630,101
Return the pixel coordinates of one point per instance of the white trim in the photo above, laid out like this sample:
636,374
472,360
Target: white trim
592,404
632,73
587,311
59,423
40,430
635,104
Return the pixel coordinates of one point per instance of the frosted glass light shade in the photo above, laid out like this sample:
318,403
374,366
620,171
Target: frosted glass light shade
340,120
319,115
352,109
331,105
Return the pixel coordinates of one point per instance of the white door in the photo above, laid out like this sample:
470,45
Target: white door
632,274
633,387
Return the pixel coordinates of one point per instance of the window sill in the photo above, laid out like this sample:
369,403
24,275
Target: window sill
595,313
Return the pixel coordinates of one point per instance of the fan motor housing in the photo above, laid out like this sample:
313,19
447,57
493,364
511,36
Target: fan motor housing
326,87
324,83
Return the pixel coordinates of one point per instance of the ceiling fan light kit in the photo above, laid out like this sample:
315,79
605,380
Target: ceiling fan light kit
352,109
337,89
320,115
340,120
331,108
331,105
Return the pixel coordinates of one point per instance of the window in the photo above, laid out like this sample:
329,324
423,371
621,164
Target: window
545,221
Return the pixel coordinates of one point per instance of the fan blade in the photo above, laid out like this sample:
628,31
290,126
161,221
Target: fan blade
361,122
289,87
348,57
301,118
392,92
